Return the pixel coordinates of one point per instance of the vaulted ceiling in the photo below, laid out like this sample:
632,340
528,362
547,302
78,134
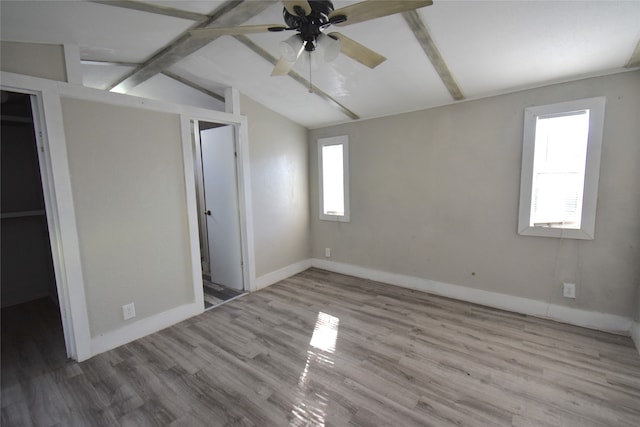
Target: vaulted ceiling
436,55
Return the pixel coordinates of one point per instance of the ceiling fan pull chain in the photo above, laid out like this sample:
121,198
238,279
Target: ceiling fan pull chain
310,84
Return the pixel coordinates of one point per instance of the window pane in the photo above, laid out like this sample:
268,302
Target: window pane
559,169
333,179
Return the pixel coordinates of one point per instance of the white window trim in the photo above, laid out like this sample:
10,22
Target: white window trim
336,140
592,171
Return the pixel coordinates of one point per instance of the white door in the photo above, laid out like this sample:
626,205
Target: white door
221,206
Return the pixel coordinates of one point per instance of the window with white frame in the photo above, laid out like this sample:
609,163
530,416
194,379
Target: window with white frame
560,168
333,167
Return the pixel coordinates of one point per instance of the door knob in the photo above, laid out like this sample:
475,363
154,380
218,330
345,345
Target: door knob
208,212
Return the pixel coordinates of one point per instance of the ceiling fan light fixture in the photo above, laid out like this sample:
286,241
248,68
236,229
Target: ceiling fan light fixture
328,47
291,48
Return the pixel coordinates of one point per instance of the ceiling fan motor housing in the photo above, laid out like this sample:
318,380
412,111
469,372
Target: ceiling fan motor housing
310,26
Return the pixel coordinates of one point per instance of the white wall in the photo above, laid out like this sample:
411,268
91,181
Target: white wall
128,184
434,195
278,153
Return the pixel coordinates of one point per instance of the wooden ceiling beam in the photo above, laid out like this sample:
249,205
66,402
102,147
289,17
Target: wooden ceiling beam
153,8
423,35
109,63
230,13
167,73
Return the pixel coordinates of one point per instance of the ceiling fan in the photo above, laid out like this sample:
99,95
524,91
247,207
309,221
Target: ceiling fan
310,21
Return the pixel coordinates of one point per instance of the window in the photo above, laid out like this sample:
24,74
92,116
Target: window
333,165
560,167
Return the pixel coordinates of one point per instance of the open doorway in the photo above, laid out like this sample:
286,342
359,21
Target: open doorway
32,334
218,201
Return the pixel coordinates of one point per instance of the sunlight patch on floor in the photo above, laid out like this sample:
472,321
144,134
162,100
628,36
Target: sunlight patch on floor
311,405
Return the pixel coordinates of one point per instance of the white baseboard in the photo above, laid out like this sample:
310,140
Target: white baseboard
635,334
149,325
589,319
142,328
595,320
281,274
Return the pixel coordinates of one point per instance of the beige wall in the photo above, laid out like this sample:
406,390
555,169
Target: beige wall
36,60
278,153
130,204
434,194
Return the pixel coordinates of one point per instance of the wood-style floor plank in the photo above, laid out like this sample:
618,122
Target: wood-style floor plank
324,349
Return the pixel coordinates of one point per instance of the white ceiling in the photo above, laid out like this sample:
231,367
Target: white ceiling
490,47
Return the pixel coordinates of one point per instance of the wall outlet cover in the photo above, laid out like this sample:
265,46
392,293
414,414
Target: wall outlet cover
569,290
128,311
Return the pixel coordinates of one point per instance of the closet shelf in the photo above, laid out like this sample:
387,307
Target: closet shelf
15,119
22,214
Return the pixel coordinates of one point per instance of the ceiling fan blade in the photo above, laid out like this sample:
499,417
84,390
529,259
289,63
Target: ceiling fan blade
282,68
372,9
290,5
235,31
358,52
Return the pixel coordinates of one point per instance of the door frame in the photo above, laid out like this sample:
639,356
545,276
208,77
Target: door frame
243,179
243,187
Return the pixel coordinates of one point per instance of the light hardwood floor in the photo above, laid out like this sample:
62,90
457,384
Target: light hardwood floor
326,349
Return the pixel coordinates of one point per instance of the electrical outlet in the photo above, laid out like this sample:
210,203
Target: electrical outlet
327,252
128,311
569,290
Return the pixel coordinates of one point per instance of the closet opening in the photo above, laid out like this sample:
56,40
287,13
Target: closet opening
33,341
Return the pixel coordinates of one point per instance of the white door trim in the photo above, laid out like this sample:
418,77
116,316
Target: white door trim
246,207
244,195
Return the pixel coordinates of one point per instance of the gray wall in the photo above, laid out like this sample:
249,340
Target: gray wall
36,60
127,180
434,194
278,152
